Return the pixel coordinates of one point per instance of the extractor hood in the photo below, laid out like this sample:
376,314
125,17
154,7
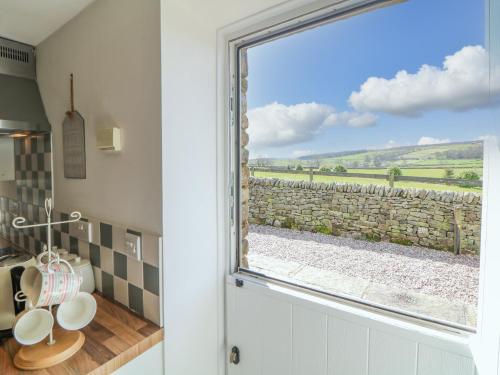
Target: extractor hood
21,107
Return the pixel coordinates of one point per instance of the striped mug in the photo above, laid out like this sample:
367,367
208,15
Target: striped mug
50,284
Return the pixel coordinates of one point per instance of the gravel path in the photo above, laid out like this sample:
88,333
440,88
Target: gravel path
423,270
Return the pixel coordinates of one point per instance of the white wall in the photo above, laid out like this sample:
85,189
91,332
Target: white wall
487,343
113,50
192,304
150,362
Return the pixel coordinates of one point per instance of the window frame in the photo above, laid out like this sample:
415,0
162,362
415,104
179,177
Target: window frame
298,21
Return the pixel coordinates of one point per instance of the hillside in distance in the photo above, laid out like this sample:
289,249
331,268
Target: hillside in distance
458,155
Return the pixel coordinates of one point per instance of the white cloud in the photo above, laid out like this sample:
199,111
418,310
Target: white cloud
461,83
351,119
391,144
489,137
299,153
425,141
280,125
486,137
260,156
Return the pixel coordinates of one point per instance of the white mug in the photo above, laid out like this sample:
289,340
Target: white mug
32,325
21,297
78,312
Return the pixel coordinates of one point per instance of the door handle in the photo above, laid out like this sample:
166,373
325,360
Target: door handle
234,357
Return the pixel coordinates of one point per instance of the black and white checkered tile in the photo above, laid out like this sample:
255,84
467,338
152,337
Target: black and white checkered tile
33,170
135,284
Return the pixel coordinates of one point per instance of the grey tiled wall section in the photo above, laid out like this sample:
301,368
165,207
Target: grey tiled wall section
32,157
134,284
33,169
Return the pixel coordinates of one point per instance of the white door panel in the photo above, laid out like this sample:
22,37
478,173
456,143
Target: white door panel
436,361
391,355
278,333
262,331
348,348
309,349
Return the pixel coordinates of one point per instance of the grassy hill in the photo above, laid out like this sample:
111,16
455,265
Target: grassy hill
451,160
465,155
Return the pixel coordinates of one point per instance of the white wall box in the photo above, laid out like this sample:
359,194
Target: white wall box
109,139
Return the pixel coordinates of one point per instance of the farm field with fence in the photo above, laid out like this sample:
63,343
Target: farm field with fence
423,172
364,181
445,167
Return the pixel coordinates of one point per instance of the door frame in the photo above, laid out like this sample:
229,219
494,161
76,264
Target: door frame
287,14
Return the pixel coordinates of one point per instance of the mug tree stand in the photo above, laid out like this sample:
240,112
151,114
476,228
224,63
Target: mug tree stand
61,344
43,354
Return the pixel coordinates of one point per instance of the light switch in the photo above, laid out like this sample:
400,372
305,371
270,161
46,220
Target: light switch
81,230
133,245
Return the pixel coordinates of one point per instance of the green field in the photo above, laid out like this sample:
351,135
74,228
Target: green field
420,172
365,181
459,163
414,161
459,155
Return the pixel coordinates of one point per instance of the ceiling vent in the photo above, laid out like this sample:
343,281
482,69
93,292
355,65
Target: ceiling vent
21,106
17,59
14,54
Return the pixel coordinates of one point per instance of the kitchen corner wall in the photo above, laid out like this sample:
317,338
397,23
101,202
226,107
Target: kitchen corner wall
113,50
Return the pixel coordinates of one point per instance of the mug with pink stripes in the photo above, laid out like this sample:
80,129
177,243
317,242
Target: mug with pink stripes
50,284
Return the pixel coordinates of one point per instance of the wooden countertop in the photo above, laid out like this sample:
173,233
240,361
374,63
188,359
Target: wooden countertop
113,338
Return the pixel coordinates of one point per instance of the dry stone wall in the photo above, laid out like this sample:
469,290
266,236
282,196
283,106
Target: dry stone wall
378,213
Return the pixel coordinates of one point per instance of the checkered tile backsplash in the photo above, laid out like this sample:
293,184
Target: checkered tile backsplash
33,169
135,284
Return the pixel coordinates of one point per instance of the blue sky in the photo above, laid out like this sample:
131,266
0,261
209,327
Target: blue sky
306,81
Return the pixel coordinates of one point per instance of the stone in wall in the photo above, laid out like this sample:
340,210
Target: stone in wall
377,213
245,171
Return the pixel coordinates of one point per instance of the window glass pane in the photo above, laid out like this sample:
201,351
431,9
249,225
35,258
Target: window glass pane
362,157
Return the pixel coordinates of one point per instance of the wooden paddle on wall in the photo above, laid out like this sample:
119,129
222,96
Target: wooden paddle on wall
74,141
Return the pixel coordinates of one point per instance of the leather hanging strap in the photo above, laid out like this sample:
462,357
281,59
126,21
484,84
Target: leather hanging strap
72,94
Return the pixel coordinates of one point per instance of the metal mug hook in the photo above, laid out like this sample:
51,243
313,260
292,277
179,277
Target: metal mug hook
48,207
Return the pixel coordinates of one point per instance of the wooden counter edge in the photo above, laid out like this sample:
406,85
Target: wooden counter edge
129,354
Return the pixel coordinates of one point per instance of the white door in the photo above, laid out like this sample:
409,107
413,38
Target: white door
273,329
280,333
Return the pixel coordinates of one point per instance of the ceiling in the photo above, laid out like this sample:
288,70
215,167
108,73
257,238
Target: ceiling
31,21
